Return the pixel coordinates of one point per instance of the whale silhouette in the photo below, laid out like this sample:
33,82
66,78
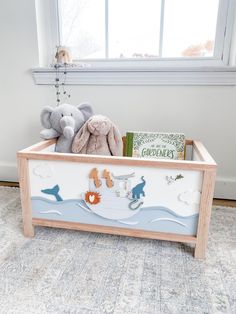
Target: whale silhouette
54,191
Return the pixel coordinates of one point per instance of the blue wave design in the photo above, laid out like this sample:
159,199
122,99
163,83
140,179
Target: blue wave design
170,211
74,210
46,200
150,208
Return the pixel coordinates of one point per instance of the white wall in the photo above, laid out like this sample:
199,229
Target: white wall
205,113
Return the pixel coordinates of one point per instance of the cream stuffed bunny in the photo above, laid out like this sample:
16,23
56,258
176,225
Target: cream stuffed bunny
98,136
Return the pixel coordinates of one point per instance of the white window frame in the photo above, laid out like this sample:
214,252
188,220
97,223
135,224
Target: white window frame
217,70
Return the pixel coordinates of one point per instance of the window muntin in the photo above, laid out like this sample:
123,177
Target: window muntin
139,29
189,28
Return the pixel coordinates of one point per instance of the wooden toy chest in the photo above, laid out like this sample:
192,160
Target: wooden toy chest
159,199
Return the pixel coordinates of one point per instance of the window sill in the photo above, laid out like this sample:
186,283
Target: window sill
224,75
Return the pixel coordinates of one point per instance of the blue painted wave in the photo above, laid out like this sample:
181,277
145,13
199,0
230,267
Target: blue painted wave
154,218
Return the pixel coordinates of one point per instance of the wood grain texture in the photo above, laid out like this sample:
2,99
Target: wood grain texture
205,213
115,230
10,184
25,197
38,146
188,142
168,164
203,153
224,203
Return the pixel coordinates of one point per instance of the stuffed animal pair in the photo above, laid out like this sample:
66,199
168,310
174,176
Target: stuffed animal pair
79,131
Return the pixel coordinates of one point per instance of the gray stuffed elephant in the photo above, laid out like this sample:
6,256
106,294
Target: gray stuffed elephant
63,122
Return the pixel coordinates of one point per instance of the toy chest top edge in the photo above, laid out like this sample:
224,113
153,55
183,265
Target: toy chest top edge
200,158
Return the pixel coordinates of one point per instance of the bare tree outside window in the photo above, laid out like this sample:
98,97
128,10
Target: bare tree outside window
138,29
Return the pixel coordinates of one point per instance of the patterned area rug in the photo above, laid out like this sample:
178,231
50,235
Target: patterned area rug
62,271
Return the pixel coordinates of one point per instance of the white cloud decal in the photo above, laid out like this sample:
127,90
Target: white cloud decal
190,197
43,171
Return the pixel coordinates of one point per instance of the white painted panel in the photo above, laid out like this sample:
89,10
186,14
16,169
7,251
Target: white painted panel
73,181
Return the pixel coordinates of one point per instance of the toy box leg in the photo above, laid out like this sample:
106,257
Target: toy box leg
25,197
28,230
200,250
205,213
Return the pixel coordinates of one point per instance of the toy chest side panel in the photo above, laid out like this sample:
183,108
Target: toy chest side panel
142,198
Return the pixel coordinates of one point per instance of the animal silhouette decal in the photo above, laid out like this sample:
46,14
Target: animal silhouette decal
137,191
109,196
92,198
54,191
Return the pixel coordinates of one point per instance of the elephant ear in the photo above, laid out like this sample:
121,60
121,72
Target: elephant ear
81,140
115,141
45,116
86,110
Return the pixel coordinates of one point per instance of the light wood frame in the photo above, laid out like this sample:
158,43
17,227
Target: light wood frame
207,165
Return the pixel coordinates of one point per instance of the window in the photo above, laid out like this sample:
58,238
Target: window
140,42
143,29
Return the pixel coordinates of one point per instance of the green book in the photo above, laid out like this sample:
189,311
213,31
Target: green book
155,145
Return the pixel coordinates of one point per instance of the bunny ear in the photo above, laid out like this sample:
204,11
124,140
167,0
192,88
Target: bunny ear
115,141
80,142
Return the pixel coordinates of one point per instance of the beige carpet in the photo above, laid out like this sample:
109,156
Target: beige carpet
63,271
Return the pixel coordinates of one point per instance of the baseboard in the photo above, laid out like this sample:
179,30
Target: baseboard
8,171
225,186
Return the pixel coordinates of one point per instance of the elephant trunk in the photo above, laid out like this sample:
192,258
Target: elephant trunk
67,124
